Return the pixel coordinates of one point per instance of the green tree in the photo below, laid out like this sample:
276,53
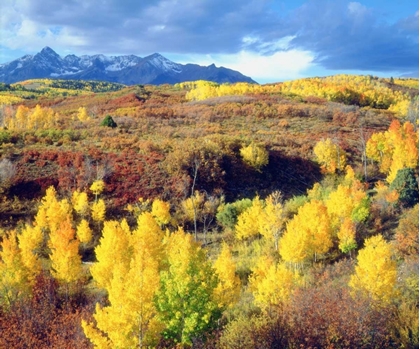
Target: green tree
405,183
109,122
185,300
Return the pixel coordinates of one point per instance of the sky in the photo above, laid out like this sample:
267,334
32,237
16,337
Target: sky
270,41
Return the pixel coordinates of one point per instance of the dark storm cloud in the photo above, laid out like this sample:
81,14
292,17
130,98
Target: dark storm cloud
349,36
341,34
188,26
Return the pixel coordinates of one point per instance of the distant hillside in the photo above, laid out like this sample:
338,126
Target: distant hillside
130,70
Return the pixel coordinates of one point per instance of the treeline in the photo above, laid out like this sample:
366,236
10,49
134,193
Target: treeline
362,91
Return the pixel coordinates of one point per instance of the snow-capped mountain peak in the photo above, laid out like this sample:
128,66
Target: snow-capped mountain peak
160,62
128,69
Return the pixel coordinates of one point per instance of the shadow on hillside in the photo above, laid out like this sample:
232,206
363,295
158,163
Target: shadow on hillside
291,176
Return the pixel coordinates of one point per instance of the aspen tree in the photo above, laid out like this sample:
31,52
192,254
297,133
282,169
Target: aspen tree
113,249
248,221
228,288
308,234
84,233
14,276
271,283
66,263
185,300
376,271
30,242
330,156
98,210
80,202
160,210
82,114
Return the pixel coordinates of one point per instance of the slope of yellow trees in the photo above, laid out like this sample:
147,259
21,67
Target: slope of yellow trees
348,89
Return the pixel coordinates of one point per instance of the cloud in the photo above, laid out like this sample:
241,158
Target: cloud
282,65
351,36
336,35
143,26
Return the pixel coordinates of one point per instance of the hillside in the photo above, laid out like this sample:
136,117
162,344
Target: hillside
307,182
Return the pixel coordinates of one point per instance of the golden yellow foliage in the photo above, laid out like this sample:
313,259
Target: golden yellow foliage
394,149
98,210
113,249
160,210
255,155
330,156
14,277
229,287
84,233
376,271
307,235
129,271
82,114
248,221
80,202
30,241
97,187
271,283
66,263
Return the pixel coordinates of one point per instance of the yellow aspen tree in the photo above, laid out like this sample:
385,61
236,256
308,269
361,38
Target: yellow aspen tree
255,155
271,219
52,212
113,249
406,153
82,114
80,202
30,242
66,263
347,205
248,221
148,230
97,188
98,210
35,119
20,120
379,148
160,210
129,321
347,202
376,270
347,236
50,118
271,284
192,207
307,234
229,286
14,277
83,232
330,156
394,149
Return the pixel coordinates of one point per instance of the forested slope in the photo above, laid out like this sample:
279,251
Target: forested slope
206,215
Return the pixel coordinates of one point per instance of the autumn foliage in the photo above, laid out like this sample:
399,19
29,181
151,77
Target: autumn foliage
209,216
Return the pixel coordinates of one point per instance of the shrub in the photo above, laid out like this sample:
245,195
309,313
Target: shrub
109,122
228,214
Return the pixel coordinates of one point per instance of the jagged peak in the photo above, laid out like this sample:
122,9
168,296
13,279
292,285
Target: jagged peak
48,50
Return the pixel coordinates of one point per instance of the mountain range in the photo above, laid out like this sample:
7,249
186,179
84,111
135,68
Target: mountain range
130,69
